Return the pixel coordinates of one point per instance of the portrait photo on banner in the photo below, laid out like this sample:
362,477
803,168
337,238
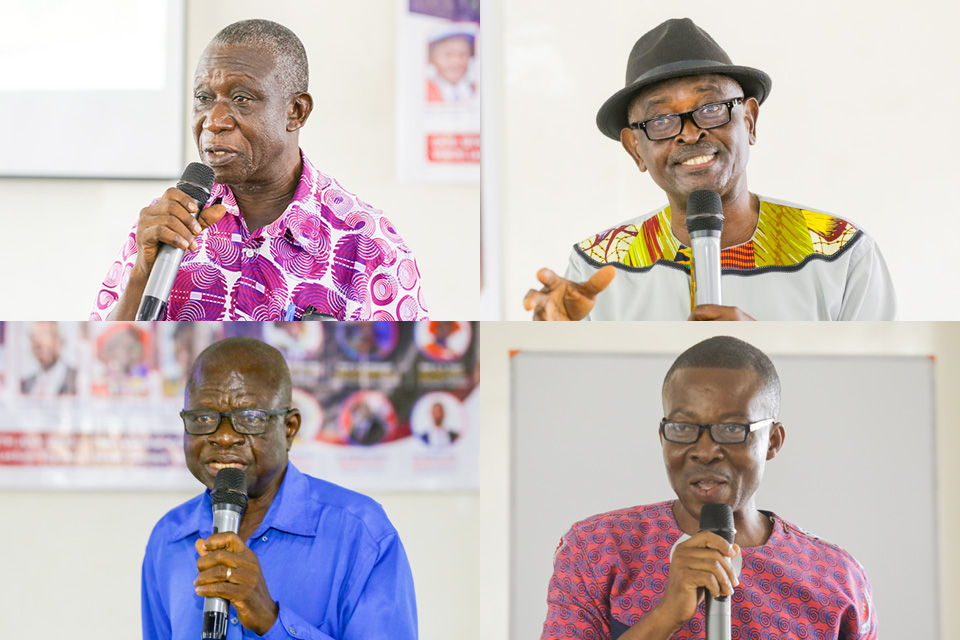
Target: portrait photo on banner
383,405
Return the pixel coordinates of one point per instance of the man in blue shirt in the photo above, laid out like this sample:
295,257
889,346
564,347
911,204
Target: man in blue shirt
312,560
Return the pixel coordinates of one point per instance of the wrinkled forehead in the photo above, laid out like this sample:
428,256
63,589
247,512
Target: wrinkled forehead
668,91
246,378
248,61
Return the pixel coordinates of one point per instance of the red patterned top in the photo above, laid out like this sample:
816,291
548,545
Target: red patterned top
329,250
612,568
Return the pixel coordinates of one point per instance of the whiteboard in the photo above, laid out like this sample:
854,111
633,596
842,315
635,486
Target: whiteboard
92,89
857,467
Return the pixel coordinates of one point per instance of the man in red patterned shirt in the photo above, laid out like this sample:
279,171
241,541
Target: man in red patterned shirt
278,238
641,573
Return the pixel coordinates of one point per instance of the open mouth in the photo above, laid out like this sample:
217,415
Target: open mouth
217,155
699,160
708,489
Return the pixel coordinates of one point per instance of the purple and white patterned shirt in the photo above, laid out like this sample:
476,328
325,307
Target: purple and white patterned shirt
329,250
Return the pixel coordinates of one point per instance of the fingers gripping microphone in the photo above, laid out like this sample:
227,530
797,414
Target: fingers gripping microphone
719,519
196,182
705,223
229,501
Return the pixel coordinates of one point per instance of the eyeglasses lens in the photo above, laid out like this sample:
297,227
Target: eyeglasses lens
722,433
706,117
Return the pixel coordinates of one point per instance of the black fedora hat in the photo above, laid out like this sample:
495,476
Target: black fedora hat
676,48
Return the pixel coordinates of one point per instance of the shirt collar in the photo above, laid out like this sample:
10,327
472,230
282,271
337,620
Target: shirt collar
293,510
301,220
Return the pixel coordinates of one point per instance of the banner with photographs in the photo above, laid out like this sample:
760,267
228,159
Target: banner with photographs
384,405
438,91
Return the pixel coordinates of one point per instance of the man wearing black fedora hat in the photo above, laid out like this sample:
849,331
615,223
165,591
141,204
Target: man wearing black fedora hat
687,115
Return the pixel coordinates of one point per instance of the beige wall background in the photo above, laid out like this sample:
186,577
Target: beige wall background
352,138
850,127
941,340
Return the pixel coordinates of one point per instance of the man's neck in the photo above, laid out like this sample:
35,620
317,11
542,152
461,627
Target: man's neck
741,210
262,203
753,527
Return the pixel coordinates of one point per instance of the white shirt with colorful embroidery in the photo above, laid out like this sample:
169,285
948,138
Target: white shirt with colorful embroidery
329,250
800,264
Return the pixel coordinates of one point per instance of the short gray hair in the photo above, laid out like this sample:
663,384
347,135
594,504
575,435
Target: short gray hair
286,48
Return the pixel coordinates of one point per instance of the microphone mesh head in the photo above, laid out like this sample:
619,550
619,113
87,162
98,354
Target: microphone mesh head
704,201
231,480
719,519
704,211
200,175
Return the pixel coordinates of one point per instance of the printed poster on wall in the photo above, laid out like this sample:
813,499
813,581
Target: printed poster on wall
384,405
438,91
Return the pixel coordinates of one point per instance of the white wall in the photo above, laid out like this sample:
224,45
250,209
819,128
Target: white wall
851,126
941,340
61,236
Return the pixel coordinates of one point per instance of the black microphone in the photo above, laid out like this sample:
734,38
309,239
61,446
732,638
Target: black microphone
196,182
705,223
229,501
719,519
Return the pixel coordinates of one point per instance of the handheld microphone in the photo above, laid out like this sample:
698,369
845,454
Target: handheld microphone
705,223
196,182
229,501
719,519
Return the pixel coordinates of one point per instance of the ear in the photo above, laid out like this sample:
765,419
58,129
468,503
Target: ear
777,436
298,111
751,109
292,425
631,145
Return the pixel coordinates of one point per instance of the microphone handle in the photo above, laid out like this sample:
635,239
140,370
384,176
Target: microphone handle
156,293
226,517
717,617
153,304
706,267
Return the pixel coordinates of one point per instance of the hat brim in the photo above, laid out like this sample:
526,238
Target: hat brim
612,117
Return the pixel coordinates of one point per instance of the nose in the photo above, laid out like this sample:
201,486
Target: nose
689,131
705,450
218,117
225,436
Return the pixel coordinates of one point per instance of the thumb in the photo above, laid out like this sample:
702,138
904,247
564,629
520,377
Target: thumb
201,548
599,281
211,215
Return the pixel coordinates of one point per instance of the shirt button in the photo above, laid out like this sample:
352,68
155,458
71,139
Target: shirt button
234,620
263,539
292,630
249,252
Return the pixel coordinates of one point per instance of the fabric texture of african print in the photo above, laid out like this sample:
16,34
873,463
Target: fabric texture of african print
800,264
611,569
785,236
329,250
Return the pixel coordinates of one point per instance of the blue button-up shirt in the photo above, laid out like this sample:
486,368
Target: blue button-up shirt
330,557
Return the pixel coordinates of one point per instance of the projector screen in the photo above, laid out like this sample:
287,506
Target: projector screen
93,89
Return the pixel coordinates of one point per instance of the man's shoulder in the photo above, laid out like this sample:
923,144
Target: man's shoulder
176,522
626,519
366,511
323,211
616,244
333,196
822,547
788,232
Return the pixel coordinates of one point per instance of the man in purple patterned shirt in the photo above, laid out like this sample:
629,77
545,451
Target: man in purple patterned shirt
277,239
642,573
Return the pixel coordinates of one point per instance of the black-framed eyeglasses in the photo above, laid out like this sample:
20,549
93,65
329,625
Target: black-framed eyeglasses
721,432
709,116
250,422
